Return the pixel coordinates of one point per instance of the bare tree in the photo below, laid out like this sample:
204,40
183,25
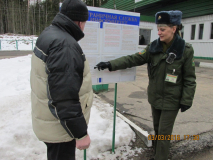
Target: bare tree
19,16
13,18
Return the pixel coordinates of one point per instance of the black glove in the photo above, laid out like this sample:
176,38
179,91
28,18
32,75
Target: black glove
184,108
103,65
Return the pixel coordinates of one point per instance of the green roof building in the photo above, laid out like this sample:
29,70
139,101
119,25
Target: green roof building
197,20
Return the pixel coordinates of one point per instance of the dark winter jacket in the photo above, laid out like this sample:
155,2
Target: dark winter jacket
162,94
61,83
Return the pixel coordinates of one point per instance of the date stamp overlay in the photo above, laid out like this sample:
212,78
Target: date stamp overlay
173,137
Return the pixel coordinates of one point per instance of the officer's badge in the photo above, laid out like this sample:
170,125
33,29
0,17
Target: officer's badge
142,52
159,17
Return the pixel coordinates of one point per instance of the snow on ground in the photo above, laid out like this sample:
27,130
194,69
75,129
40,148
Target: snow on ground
17,140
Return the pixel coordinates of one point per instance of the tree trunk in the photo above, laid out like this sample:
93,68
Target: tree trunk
28,18
33,19
20,25
1,19
46,15
39,28
13,19
1,22
7,17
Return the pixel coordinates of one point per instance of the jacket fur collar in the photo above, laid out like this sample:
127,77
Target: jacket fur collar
177,47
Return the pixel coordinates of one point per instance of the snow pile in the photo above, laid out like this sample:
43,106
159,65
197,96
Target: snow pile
17,140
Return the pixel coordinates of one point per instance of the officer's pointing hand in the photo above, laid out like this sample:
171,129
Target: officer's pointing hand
103,65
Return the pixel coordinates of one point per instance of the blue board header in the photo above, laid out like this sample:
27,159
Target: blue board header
113,18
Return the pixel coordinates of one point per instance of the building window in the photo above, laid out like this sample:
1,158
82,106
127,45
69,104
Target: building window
182,31
193,32
211,36
200,31
144,36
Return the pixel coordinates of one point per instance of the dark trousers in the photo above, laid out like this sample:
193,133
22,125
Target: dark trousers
163,122
61,151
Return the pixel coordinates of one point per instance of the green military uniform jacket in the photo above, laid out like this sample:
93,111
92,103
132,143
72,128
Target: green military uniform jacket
162,94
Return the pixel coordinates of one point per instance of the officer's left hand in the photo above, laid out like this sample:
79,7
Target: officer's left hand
184,107
103,65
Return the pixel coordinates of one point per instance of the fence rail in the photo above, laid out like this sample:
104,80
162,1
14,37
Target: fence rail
17,44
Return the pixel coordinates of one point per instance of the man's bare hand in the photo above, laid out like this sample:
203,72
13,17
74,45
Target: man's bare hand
83,143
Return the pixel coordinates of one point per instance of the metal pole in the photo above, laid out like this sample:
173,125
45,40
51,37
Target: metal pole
85,154
16,44
0,44
32,44
114,120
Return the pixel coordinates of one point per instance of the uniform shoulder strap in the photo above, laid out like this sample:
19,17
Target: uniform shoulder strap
188,45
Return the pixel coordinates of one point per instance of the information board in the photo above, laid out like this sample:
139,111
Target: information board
110,34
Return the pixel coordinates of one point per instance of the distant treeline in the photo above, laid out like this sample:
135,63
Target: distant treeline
17,16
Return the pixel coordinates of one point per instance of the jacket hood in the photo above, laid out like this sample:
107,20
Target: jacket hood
66,24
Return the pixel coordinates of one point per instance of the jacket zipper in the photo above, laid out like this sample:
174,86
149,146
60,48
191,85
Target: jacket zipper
164,81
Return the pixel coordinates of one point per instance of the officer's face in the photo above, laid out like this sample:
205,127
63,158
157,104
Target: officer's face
166,33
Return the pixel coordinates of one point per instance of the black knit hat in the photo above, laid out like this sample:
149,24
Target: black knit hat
76,10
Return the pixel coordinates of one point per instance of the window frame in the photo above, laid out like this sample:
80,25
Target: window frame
200,37
193,31
150,29
182,32
211,31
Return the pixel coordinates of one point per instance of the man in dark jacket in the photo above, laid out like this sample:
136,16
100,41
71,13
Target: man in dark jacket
61,84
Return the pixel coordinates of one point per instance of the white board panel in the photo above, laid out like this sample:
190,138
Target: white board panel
106,41
90,43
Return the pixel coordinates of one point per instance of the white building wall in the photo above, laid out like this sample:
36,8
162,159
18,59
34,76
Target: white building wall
202,47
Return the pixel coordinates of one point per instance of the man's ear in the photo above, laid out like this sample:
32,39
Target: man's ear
80,25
